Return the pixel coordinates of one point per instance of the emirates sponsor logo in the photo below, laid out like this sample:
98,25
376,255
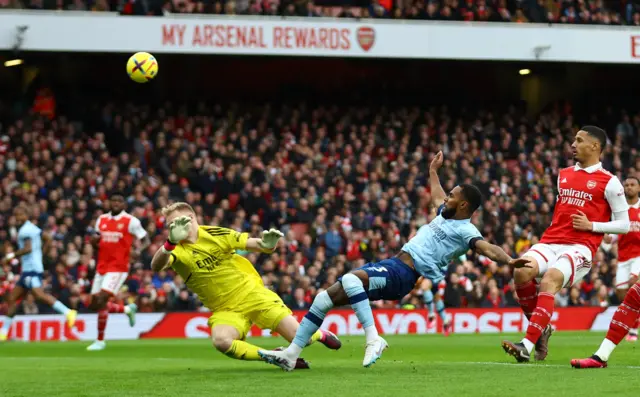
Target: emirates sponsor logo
574,197
111,237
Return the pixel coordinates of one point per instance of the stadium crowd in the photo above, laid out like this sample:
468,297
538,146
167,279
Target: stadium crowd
540,11
345,185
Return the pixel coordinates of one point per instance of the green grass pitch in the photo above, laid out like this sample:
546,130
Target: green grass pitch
460,365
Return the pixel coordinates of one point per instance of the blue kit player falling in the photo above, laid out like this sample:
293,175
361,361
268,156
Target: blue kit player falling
427,254
30,247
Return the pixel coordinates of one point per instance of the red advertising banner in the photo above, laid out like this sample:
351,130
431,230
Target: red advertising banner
341,322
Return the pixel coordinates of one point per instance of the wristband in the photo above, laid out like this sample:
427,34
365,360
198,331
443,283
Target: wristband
169,246
10,256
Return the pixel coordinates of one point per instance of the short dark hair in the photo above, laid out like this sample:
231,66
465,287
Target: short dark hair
633,177
117,193
597,133
471,195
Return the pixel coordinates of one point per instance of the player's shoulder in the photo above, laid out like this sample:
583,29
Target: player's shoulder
606,173
29,227
215,231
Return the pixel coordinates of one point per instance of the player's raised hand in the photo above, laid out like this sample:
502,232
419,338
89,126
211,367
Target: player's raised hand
270,238
520,262
437,161
179,229
581,222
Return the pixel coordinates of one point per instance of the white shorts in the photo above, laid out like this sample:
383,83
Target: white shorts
109,282
574,270
627,269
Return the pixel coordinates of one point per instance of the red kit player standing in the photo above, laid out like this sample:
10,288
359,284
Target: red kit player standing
590,203
625,319
115,233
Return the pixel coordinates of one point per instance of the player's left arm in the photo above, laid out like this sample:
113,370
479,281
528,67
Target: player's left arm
619,223
497,254
267,244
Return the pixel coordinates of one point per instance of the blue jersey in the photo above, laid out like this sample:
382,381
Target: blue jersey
31,262
438,242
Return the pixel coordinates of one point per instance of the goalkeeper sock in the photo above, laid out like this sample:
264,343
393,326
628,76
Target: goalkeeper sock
316,337
241,350
308,331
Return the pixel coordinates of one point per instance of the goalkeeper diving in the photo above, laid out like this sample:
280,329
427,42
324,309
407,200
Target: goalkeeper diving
227,283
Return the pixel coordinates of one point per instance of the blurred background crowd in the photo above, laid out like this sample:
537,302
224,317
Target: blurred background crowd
347,185
521,11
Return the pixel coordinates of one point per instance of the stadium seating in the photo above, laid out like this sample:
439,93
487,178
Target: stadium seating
541,11
341,199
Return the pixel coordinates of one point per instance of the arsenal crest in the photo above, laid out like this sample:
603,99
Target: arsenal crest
591,184
120,226
366,37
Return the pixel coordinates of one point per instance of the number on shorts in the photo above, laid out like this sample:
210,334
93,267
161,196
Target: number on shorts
380,269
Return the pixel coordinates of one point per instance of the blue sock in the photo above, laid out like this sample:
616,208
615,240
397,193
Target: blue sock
60,308
6,325
440,309
428,301
360,304
311,321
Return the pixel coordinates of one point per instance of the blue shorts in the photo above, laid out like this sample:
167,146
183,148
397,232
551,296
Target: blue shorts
390,279
29,280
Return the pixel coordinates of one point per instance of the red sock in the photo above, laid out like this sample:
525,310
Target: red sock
102,323
527,297
625,316
541,316
115,307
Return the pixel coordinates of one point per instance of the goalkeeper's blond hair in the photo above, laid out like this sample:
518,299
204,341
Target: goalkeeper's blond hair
179,206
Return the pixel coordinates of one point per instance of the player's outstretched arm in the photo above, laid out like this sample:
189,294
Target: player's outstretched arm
267,244
497,254
161,259
437,192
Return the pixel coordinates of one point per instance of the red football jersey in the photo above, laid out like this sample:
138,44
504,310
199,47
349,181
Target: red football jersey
116,236
592,190
629,244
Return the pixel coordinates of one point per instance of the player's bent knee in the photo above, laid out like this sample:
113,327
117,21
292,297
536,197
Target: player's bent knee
222,337
222,343
351,280
552,281
525,274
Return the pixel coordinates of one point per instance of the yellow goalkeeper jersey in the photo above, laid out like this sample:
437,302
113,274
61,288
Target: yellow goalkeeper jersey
212,269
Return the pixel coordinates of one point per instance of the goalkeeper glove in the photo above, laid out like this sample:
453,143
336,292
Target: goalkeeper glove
270,239
179,230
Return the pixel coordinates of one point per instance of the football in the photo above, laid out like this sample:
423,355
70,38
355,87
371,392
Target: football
142,67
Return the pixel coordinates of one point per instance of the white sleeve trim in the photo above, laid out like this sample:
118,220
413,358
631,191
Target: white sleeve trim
614,193
135,228
619,225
